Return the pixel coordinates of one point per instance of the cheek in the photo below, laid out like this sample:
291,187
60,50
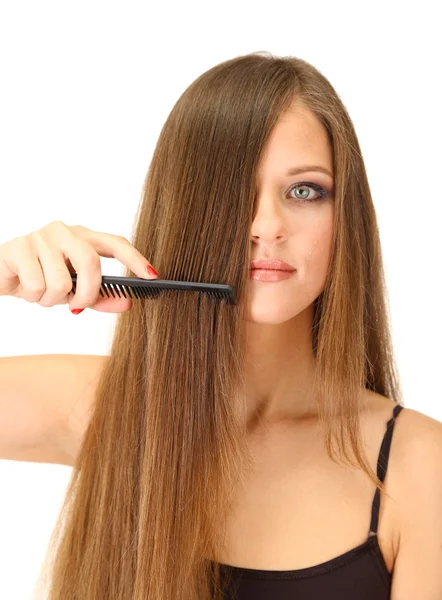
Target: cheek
317,255
319,243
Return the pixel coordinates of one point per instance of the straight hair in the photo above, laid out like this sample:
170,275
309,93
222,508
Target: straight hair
166,447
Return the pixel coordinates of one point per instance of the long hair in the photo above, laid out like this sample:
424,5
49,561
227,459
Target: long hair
166,445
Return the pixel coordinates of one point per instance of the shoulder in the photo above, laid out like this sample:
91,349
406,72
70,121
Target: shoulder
413,430
418,437
416,445
417,442
419,460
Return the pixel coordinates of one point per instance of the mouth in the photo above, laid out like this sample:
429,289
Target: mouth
277,270
270,274
259,264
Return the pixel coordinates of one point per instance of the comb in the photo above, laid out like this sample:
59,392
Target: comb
151,288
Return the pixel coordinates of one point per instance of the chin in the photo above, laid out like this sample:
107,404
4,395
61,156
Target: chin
269,317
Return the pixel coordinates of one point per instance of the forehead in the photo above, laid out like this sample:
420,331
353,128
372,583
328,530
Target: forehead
298,137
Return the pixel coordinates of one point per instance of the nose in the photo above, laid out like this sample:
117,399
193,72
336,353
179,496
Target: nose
268,228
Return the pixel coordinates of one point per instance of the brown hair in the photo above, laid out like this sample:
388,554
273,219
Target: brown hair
166,446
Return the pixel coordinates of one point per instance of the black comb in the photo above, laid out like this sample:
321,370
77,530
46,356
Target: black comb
151,288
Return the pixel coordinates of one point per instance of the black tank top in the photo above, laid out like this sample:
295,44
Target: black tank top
359,573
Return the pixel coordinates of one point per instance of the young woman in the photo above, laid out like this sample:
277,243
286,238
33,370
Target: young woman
245,448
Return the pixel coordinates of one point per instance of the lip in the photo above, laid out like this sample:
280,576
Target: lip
270,265
269,274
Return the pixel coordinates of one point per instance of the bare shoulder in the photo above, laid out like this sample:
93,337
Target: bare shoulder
415,434
419,445
414,477
417,482
409,417
414,431
416,451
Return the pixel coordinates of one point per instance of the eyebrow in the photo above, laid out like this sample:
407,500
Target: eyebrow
305,168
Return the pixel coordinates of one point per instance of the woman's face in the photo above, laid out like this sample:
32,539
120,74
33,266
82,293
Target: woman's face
293,224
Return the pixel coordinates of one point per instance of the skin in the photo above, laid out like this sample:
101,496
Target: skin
280,359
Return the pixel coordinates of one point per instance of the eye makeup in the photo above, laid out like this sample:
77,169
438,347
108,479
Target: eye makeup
323,193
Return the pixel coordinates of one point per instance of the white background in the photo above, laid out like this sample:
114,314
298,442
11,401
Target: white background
85,90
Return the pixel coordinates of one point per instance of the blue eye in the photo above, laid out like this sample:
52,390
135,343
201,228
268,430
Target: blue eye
308,184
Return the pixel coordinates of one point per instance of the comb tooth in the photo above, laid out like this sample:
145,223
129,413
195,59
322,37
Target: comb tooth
133,290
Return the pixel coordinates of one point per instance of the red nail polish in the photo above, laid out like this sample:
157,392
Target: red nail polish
77,311
151,270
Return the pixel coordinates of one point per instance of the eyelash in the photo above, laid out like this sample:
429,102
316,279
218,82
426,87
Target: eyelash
318,188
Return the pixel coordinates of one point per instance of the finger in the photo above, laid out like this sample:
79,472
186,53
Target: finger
112,305
55,272
116,246
24,262
81,256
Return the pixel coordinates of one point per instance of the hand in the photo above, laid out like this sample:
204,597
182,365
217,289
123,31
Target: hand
37,267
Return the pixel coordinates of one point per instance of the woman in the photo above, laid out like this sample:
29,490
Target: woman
253,436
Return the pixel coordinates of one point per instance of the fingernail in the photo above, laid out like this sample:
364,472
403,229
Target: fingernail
77,311
151,271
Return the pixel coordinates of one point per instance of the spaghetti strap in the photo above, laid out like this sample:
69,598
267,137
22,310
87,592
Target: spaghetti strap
382,469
